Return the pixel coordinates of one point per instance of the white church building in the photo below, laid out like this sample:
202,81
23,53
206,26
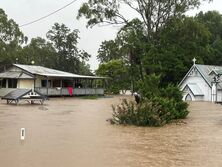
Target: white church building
202,83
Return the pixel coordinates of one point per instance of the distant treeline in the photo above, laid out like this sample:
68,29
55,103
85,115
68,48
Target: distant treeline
59,49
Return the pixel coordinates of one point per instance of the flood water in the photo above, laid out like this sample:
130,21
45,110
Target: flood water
74,132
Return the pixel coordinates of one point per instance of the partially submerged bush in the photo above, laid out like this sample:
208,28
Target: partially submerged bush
148,113
124,113
155,109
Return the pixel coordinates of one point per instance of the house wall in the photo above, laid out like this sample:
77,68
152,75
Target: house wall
195,77
65,92
38,81
194,98
219,95
199,98
25,84
37,84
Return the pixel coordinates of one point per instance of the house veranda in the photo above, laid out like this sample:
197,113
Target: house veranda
49,82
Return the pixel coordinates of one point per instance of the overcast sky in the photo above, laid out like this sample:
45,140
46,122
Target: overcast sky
23,11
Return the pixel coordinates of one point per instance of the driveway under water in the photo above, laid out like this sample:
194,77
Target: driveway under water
73,132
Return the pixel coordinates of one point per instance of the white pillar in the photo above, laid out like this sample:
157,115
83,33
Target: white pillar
214,92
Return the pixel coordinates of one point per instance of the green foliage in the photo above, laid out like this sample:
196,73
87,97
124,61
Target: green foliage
212,20
10,39
40,51
98,11
69,57
158,106
108,51
125,113
9,30
169,55
179,41
153,14
59,51
160,39
156,112
117,75
149,87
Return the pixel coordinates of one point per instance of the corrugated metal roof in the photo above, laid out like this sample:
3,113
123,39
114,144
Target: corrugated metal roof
218,71
23,93
15,74
16,94
39,70
195,89
206,70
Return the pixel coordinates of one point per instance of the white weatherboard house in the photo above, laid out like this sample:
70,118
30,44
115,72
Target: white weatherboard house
202,83
48,81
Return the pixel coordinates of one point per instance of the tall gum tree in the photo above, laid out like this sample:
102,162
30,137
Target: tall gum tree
153,13
11,39
65,43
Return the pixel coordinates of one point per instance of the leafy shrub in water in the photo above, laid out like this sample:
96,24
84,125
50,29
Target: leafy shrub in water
155,109
131,113
124,113
156,112
174,95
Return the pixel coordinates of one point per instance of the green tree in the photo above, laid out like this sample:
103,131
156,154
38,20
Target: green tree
129,46
133,42
154,14
108,51
84,68
40,51
180,41
65,42
212,20
143,40
11,39
116,71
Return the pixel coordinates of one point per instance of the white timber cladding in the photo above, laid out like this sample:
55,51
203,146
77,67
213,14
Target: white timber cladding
25,83
34,77
219,95
195,89
38,81
187,92
194,76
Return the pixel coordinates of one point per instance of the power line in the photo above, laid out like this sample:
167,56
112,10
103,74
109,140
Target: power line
43,17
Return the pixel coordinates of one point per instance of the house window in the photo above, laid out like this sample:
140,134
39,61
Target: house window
12,83
3,83
56,83
44,83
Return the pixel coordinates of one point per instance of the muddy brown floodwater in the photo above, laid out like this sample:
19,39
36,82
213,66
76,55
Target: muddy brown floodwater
73,132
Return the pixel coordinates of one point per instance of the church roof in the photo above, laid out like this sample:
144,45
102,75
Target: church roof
206,71
195,89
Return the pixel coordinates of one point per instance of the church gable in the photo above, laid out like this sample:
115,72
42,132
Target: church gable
196,84
193,75
199,82
194,72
